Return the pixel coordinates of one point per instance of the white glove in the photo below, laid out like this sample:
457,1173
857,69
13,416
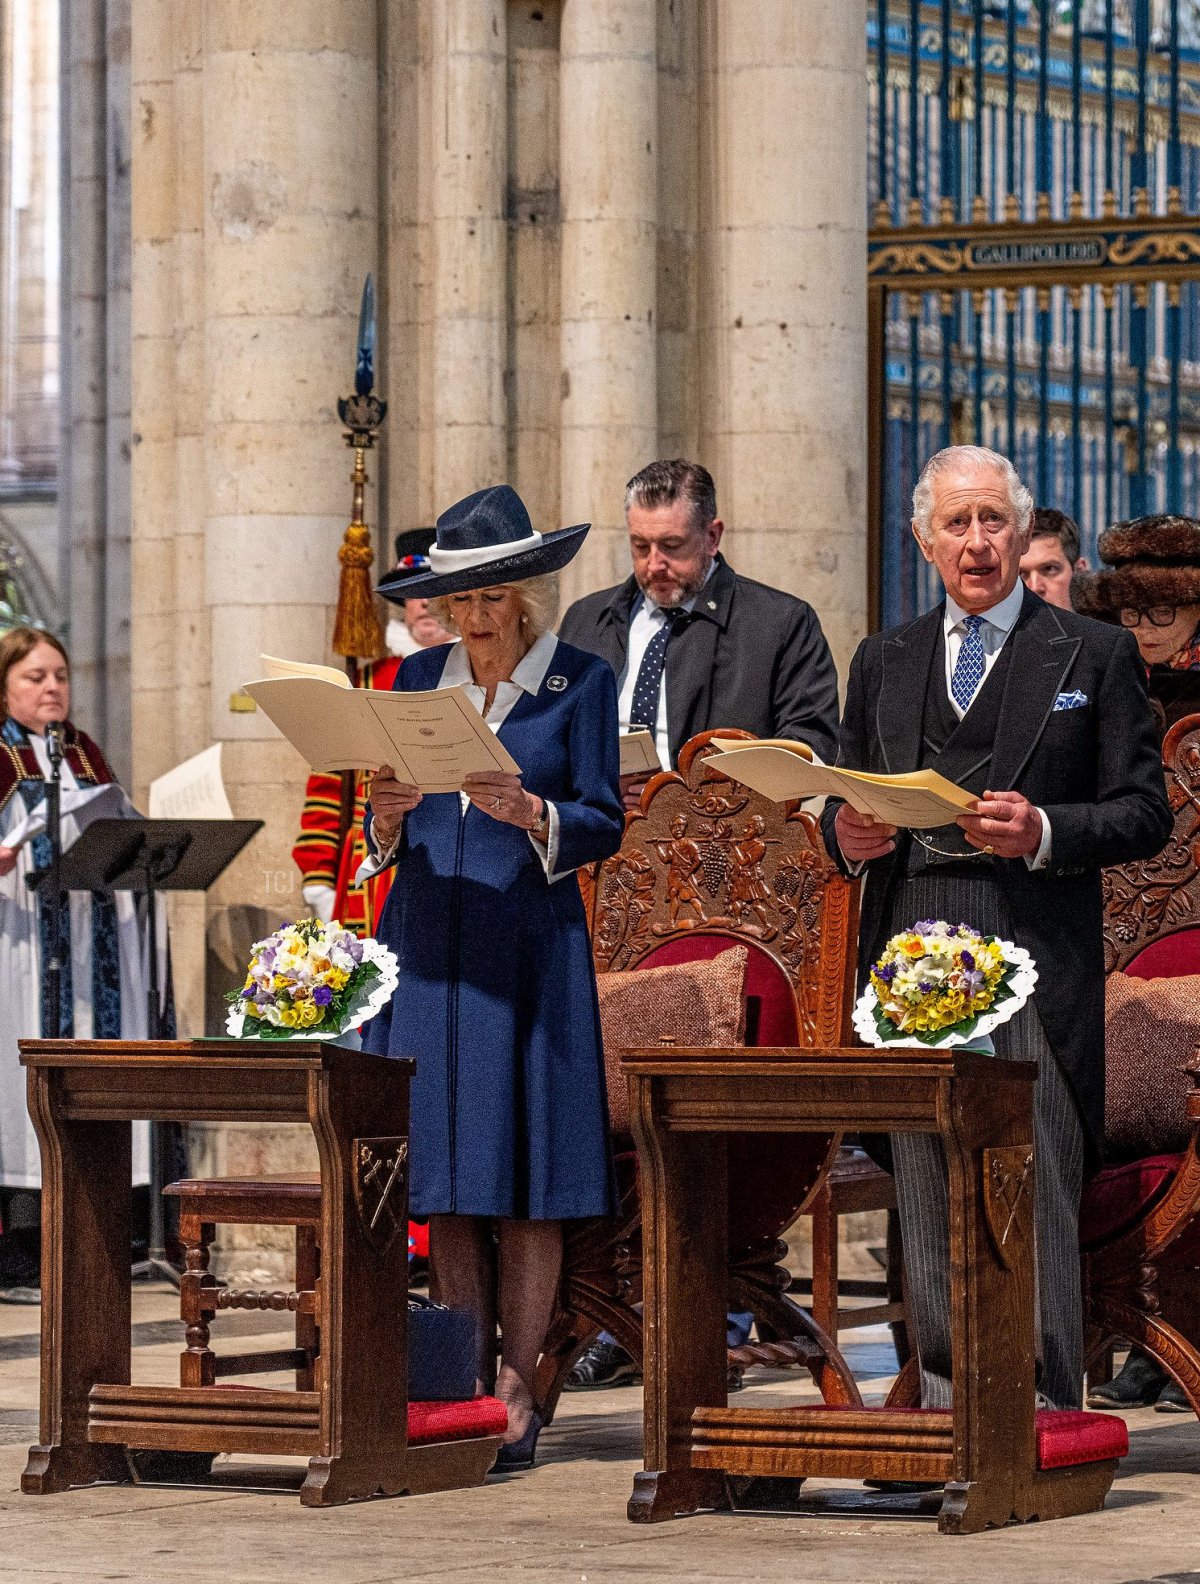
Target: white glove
320,898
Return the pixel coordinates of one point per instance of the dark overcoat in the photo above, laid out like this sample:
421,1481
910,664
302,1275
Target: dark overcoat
497,994
1092,765
748,657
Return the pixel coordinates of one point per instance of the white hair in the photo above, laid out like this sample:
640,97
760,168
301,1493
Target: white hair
960,456
538,598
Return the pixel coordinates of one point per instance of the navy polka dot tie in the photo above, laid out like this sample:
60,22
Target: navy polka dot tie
969,667
644,709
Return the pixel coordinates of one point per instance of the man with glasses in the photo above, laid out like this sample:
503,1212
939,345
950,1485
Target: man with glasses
1150,583
1042,716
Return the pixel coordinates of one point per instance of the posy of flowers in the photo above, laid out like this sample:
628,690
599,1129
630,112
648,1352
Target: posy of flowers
941,983
306,978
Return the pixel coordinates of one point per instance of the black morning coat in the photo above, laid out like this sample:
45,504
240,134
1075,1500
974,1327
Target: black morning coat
748,657
1094,766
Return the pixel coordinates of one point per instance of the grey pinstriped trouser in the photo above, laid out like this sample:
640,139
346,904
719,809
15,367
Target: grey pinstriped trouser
921,1182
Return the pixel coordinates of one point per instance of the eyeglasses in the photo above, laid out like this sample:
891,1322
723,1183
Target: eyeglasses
1157,615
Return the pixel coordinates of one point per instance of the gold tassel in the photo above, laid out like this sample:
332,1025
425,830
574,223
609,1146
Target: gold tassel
356,630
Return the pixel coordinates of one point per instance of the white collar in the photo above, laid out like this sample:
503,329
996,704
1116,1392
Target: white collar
1002,616
528,674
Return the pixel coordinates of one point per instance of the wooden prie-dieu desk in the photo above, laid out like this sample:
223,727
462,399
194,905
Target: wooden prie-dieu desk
83,1096
996,1460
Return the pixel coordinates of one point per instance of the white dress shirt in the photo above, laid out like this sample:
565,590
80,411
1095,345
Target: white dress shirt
645,619
528,675
997,624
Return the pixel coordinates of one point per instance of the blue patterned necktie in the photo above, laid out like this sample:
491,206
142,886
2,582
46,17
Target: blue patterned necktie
644,709
968,668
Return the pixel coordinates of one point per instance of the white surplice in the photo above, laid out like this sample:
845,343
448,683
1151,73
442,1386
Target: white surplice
21,962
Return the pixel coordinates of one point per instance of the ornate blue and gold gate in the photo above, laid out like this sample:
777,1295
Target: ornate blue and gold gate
1034,258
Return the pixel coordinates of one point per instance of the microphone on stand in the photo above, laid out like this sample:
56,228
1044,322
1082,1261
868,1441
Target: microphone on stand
53,966
54,746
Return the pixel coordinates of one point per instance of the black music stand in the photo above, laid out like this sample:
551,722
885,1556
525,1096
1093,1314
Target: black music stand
149,856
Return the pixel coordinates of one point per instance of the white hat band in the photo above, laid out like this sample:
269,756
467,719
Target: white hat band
442,561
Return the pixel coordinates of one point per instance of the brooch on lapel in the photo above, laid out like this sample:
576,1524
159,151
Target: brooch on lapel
557,684
1069,701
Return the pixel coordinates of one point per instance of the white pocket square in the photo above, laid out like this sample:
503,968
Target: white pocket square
1066,701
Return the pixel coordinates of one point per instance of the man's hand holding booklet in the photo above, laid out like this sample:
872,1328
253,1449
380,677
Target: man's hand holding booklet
783,771
432,740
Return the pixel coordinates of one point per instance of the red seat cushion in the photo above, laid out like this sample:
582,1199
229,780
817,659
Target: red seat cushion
1116,1196
457,1421
1068,1436
1064,1436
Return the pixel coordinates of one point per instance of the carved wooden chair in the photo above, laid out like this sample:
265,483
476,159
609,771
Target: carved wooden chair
1140,1219
707,864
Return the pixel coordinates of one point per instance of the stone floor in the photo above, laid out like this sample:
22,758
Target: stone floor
564,1521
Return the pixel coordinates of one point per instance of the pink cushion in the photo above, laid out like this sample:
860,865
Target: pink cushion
1168,957
766,982
1115,1197
1068,1436
456,1421
1150,1030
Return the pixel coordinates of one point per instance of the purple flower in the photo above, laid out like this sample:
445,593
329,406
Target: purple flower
968,961
354,947
249,993
924,986
322,995
924,926
887,973
974,982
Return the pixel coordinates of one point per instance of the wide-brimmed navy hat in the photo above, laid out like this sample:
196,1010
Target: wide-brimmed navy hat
483,540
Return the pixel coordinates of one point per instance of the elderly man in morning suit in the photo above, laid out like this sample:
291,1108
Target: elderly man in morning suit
1043,716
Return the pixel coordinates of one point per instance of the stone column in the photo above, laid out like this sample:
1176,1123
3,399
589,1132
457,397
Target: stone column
289,231
783,309
468,175
608,178
94,469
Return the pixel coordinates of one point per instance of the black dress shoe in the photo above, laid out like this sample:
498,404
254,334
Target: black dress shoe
514,1456
20,1295
603,1365
1172,1399
1138,1385
899,1487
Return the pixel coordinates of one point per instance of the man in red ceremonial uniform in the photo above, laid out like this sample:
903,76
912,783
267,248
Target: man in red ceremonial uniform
328,853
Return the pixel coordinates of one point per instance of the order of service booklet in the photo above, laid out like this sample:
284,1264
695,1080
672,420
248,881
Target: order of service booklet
784,771
432,740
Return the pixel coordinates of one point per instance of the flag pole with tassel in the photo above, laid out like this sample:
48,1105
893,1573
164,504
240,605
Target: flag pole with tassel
357,635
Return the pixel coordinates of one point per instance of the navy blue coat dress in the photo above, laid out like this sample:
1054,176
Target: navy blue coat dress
497,996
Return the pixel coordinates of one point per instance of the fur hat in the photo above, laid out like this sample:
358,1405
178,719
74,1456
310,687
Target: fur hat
1153,560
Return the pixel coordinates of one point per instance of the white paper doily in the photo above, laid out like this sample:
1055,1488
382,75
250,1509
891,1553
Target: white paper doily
364,1004
1020,985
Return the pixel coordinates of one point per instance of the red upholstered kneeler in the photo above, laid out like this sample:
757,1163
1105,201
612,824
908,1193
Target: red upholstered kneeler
480,1416
1069,1437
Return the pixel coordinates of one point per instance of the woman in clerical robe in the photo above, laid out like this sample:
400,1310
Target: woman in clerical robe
105,970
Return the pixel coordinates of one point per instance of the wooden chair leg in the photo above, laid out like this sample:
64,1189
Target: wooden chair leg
825,1264
196,1285
306,1324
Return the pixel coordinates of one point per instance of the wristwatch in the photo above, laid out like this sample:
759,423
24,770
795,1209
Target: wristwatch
542,824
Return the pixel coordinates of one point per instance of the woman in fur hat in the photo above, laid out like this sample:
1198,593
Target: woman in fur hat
1152,586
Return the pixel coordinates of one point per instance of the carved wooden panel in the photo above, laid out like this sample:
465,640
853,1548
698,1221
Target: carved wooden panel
1155,897
702,853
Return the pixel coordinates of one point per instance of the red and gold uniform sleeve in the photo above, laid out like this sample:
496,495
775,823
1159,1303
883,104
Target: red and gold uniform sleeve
316,853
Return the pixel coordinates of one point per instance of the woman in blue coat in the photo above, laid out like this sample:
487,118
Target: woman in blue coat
497,999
